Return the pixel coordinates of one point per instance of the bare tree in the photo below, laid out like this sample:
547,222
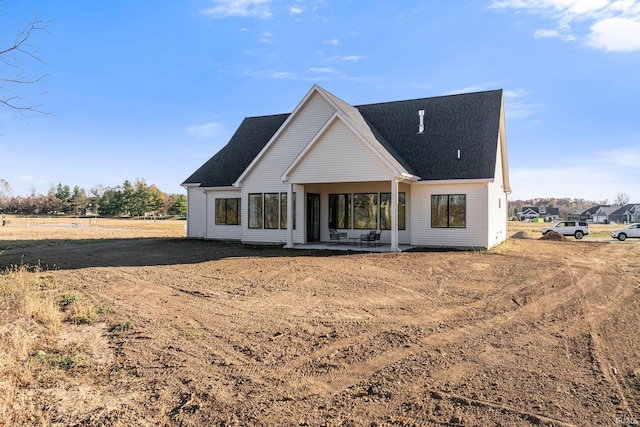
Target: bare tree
5,193
13,77
622,199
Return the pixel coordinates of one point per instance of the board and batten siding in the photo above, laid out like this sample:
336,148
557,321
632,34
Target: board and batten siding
497,208
266,173
222,231
196,211
340,156
475,233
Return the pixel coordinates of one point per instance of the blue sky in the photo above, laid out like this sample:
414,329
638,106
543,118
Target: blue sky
152,89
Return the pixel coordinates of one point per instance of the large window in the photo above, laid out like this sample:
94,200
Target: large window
385,211
255,210
283,210
365,211
271,210
339,211
449,211
227,211
274,207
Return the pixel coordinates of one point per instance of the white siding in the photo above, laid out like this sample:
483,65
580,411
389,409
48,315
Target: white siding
304,126
498,209
340,156
265,176
196,211
474,235
223,231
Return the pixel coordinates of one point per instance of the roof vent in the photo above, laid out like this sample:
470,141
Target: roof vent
458,154
421,115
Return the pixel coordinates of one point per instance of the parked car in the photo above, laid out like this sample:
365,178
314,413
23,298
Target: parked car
631,230
579,229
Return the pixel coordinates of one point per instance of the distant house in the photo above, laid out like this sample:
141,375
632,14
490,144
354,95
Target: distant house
626,214
544,212
597,214
427,172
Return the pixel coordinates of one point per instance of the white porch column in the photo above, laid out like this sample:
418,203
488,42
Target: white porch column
289,216
206,214
394,214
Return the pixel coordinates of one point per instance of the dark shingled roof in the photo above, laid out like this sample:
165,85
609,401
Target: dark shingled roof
227,165
466,122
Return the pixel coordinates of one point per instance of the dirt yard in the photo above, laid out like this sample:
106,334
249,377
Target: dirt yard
199,333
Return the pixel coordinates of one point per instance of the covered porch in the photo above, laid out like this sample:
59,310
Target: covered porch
352,209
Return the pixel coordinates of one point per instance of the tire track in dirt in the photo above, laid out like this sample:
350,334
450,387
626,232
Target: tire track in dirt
233,325
605,361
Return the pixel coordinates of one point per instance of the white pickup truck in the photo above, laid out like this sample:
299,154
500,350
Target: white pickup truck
579,229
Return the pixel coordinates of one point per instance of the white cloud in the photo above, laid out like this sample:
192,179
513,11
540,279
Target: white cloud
614,24
271,74
350,58
239,8
260,8
207,130
327,70
475,88
266,37
544,34
615,34
516,105
295,10
333,42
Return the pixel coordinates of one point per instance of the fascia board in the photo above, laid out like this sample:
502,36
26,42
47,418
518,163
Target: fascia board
226,188
503,148
455,181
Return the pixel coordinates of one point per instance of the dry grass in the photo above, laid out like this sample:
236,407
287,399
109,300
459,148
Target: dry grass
33,311
68,228
30,320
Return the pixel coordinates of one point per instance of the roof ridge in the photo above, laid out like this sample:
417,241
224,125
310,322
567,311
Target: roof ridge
430,97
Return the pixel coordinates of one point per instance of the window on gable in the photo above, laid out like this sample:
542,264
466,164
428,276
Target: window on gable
449,211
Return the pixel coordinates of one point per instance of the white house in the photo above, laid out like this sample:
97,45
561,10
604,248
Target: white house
427,172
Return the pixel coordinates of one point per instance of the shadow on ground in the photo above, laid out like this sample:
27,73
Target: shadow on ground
74,254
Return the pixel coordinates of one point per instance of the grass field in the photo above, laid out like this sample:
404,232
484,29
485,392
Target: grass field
42,228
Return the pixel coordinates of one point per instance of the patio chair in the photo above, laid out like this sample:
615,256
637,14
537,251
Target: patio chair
371,238
336,237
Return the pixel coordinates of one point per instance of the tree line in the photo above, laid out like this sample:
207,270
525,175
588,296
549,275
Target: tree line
129,199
